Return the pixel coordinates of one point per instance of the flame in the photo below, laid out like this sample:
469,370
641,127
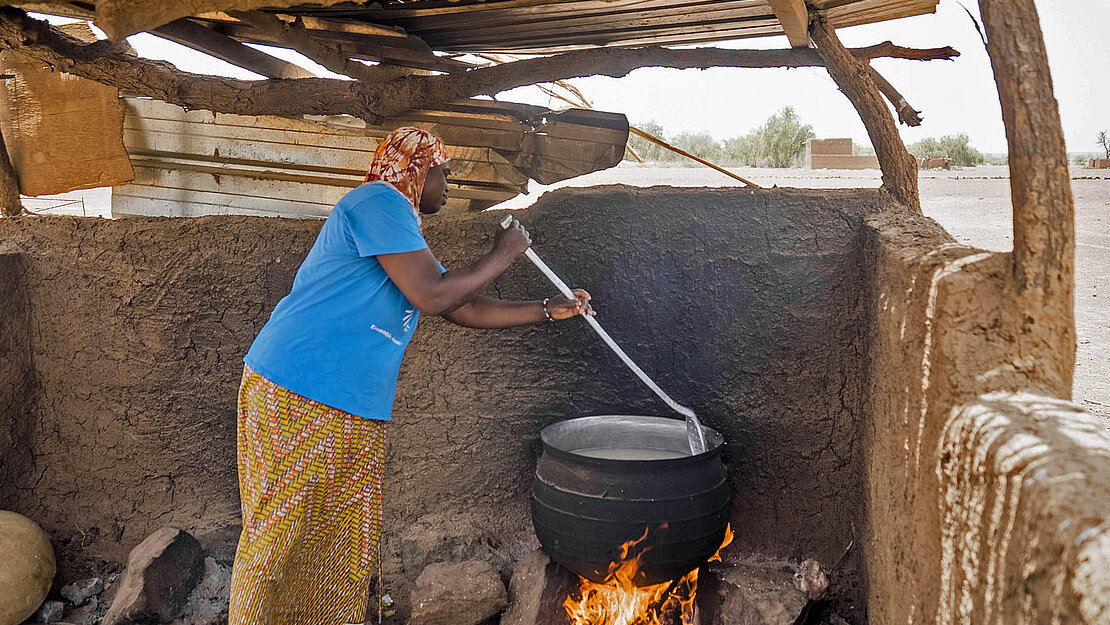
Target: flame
619,601
725,543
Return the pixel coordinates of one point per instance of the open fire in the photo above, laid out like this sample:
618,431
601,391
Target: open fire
619,601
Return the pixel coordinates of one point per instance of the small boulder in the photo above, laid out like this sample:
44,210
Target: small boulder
50,612
28,568
462,593
537,591
77,593
161,572
748,595
440,537
810,578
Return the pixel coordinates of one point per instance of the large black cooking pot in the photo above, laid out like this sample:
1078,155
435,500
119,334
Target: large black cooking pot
594,491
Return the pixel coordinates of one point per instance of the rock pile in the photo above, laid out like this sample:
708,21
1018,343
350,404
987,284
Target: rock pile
169,578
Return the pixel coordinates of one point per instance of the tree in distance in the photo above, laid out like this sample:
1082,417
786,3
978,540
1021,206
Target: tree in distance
1103,140
955,147
779,142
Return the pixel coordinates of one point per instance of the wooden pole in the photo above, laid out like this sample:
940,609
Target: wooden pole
856,80
1040,185
1044,211
10,205
698,159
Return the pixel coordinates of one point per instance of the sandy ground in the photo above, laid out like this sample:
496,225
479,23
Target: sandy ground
973,204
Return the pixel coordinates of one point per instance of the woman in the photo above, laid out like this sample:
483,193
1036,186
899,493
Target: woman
319,380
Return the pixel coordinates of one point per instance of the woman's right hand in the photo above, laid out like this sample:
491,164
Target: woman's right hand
512,240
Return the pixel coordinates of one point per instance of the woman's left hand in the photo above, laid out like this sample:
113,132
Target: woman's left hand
563,308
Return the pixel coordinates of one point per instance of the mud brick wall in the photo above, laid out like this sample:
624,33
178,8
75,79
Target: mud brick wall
137,333
746,305
15,370
987,498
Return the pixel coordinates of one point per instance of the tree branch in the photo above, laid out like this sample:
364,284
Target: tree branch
906,113
857,80
106,62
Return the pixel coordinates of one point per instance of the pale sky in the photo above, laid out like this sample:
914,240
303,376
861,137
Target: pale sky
954,97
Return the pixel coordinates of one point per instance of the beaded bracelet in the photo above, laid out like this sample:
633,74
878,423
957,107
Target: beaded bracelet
545,313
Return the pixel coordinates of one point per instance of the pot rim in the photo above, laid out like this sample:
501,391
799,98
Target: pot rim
547,435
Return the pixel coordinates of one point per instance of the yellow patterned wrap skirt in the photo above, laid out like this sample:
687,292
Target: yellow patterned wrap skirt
310,479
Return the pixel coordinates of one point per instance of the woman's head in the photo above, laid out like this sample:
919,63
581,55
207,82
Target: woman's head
415,162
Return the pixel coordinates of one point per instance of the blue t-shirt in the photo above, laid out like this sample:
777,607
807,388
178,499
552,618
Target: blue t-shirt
339,336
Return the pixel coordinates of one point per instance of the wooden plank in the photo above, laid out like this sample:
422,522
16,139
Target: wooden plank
794,17
181,193
772,27
548,26
185,154
61,9
413,11
155,130
406,51
870,11
62,132
601,15
465,167
763,28
311,133
599,30
197,37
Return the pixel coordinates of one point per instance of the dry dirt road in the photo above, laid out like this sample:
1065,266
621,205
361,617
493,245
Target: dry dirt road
972,204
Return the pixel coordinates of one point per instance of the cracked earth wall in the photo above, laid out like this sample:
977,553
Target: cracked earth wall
987,498
744,304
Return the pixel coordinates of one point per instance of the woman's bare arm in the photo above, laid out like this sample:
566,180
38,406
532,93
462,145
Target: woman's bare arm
418,276
491,313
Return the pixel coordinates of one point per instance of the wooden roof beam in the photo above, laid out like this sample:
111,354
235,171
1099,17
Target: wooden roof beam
109,63
189,33
794,17
121,18
293,32
330,54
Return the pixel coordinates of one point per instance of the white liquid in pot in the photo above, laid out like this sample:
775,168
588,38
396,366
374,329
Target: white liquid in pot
631,453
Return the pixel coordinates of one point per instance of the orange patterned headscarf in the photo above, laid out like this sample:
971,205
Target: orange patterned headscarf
403,159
